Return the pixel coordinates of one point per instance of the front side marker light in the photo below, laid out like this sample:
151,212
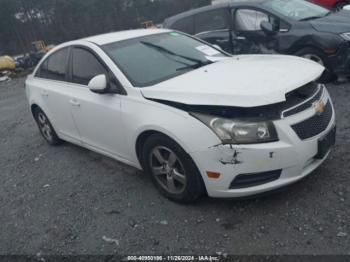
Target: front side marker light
213,175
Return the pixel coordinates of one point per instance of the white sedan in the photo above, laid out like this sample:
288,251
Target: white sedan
196,119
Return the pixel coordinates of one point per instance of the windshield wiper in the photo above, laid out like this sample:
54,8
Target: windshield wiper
194,66
198,62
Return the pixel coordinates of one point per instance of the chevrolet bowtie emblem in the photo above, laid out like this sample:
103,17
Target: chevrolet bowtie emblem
319,107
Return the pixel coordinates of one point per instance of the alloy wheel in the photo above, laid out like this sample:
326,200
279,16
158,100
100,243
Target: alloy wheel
168,170
45,126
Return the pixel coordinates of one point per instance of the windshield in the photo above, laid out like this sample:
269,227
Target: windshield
152,59
299,10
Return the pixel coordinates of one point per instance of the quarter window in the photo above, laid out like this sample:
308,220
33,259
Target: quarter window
55,66
85,66
212,20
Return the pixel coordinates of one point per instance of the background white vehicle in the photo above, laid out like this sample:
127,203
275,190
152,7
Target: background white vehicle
190,115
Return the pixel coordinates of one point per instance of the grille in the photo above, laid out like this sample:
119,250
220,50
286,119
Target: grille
305,105
314,125
256,179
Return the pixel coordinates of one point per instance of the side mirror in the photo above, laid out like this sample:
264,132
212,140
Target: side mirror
98,84
347,7
267,27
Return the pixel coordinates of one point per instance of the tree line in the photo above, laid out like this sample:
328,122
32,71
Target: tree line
57,21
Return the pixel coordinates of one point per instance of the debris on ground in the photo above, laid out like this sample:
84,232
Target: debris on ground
111,240
164,222
36,159
5,79
342,234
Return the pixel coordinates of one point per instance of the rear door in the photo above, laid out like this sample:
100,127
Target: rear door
97,116
55,92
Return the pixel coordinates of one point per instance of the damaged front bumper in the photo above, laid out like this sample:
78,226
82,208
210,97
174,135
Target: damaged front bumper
253,169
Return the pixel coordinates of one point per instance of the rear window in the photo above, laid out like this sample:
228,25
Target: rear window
55,66
212,20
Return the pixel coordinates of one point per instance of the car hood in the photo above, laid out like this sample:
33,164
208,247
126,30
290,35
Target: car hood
334,23
241,81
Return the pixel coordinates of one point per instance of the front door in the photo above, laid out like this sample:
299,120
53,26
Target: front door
249,38
97,116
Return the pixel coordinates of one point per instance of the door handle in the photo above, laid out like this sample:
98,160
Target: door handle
44,93
74,102
240,38
222,41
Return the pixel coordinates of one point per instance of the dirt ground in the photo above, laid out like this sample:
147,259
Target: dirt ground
68,200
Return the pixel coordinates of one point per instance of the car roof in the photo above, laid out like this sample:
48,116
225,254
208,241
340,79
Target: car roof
229,4
123,35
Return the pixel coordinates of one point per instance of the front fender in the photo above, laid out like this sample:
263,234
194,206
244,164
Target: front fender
141,115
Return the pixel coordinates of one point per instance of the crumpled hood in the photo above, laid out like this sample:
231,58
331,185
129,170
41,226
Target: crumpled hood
241,81
334,23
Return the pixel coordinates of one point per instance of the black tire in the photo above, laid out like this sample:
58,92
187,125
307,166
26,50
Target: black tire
315,54
339,6
45,128
192,189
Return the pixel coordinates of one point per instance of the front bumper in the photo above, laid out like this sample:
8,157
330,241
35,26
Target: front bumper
293,157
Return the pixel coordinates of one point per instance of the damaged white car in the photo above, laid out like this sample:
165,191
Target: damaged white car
193,117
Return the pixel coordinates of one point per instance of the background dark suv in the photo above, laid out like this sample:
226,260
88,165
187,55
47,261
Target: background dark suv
273,26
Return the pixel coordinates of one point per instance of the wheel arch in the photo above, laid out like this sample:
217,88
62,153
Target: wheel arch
33,108
145,134
298,48
142,138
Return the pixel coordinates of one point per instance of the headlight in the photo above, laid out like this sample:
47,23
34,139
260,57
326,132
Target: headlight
345,36
239,132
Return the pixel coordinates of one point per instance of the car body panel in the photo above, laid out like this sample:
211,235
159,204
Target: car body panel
274,76
293,156
328,3
123,35
336,23
52,98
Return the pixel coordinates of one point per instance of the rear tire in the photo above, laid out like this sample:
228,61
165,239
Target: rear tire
320,58
172,170
46,128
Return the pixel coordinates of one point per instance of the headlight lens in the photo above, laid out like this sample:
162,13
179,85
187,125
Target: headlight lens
345,36
239,132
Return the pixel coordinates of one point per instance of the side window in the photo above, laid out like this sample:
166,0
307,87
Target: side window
212,20
55,66
85,66
249,20
185,25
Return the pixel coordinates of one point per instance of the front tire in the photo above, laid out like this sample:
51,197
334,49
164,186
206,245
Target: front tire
319,57
46,128
339,6
171,169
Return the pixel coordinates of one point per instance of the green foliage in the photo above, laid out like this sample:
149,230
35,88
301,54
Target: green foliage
56,21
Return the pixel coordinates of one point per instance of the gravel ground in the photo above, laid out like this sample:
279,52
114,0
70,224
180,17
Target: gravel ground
68,200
